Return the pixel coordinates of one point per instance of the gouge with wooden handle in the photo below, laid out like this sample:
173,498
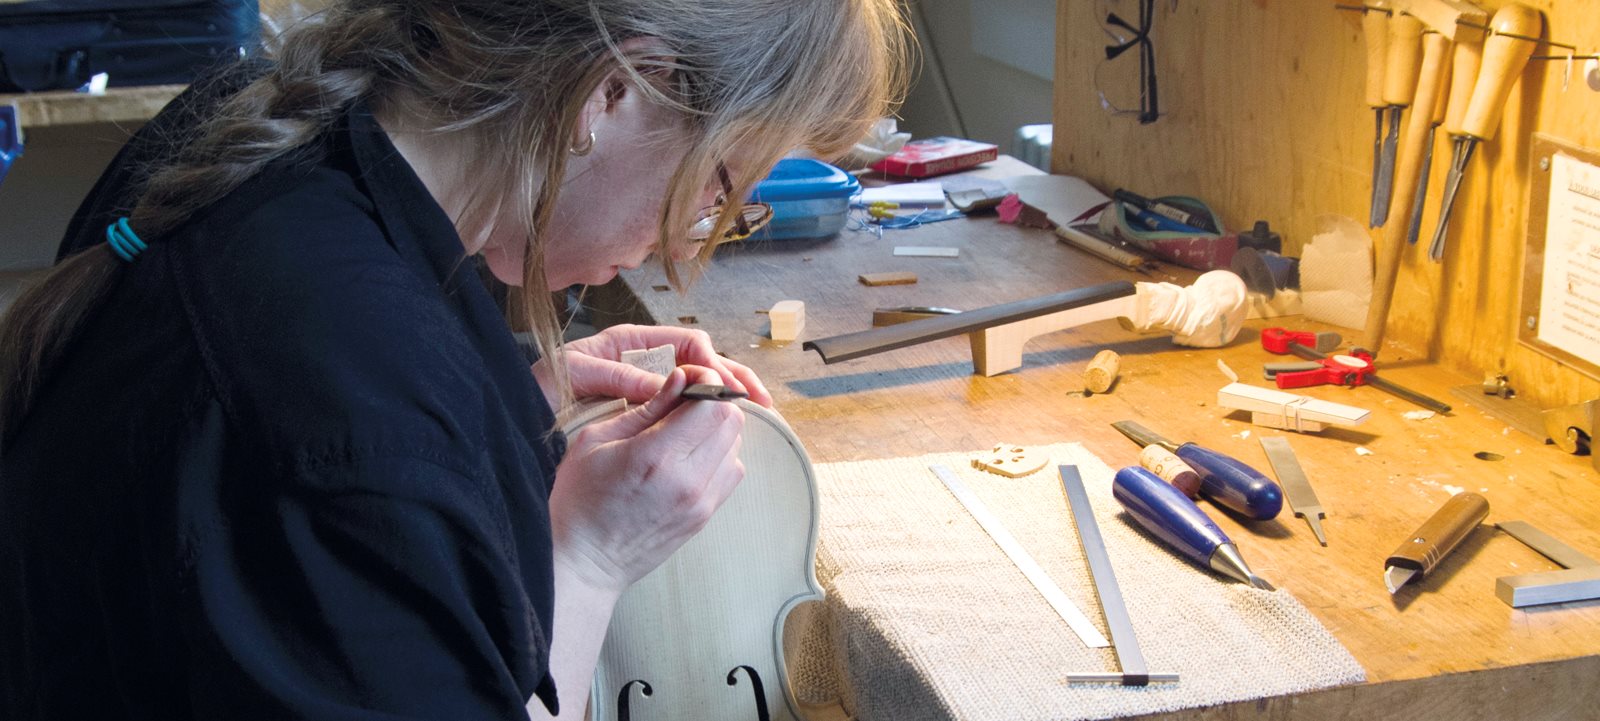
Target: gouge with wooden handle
1505,54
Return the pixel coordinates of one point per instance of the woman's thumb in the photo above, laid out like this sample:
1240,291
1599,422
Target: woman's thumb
639,417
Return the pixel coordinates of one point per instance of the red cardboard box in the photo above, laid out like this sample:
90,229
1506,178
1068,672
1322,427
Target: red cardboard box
936,156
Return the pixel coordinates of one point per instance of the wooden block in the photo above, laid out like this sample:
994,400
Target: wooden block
1284,302
788,319
895,278
1010,461
1102,371
660,360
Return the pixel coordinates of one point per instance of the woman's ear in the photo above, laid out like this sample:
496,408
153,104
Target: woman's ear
649,58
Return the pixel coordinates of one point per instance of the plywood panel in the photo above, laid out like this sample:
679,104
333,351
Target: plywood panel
1265,119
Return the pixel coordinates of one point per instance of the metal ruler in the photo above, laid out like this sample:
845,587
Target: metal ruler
1134,670
1080,624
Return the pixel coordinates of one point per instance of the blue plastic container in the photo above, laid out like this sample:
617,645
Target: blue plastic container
809,199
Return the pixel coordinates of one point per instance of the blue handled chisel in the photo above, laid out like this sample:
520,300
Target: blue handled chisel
1223,479
1170,515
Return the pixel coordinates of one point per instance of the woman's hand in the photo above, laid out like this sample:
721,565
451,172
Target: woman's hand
634,488
595,366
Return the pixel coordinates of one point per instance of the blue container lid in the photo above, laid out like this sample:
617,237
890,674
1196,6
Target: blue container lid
805,179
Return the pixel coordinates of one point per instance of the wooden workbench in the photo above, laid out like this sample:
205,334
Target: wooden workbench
1444,648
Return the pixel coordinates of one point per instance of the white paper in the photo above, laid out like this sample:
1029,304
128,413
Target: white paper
1336,273
1569,301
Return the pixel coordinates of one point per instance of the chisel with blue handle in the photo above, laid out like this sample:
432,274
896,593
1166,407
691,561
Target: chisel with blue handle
1171,516
1225,480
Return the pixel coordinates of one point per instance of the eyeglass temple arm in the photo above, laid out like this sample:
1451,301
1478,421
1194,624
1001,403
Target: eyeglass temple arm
740,225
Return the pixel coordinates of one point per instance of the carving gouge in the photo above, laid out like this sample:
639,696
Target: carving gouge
1171,516
1423,551
1375,28
1399,89
1223,479
711,392
1505,54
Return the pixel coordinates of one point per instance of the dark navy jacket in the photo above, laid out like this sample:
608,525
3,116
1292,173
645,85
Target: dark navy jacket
294,467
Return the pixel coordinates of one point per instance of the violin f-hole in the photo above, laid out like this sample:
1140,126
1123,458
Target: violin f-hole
625,697
756,686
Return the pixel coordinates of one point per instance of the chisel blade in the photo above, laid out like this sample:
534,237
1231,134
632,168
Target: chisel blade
1464,146
1421,197
1373,218
1386,173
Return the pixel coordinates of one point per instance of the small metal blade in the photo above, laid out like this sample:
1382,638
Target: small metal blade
1143,436
1386,173
1421,198
1374,219
1394,577
1452,184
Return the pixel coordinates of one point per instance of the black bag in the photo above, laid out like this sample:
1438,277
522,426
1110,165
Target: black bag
60,44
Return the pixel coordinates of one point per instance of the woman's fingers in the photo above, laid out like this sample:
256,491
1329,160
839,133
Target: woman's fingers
592,376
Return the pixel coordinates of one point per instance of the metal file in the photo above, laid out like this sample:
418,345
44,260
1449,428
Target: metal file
1296,487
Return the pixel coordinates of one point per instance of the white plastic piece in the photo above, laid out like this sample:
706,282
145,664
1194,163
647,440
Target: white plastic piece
926,251
1281,409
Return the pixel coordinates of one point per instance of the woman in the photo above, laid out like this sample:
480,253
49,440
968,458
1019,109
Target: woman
270,450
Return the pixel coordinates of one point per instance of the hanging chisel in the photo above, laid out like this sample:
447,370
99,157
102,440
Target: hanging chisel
1296,487
1399,87
1225,480
1422,552
1505,54
1171,516
1466,55
1387,252
1419,199
1375,29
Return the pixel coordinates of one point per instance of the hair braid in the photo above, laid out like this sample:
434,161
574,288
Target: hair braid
320,71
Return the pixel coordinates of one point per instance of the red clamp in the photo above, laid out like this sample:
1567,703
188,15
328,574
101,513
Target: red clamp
1277,340
1339,370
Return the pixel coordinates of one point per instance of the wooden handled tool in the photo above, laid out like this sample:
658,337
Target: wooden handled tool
1414,228
1434,56
1375,29
1505,54
1466,56
1419,554
1399,89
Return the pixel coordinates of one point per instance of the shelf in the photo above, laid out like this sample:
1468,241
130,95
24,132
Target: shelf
59,108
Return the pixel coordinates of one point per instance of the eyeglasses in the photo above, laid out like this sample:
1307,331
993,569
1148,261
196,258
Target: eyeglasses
1149,109
751,218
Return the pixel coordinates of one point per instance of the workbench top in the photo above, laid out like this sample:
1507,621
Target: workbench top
1444,647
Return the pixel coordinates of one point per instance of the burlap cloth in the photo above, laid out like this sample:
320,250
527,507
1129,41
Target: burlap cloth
926,618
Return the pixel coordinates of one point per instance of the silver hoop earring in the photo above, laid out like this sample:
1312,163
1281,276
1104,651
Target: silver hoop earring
582,150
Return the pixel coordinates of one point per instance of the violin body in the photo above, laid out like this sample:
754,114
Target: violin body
701,637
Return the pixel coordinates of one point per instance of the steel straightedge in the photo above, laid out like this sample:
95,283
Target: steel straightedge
869,342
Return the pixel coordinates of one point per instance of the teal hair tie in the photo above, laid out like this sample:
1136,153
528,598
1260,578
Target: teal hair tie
123,241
